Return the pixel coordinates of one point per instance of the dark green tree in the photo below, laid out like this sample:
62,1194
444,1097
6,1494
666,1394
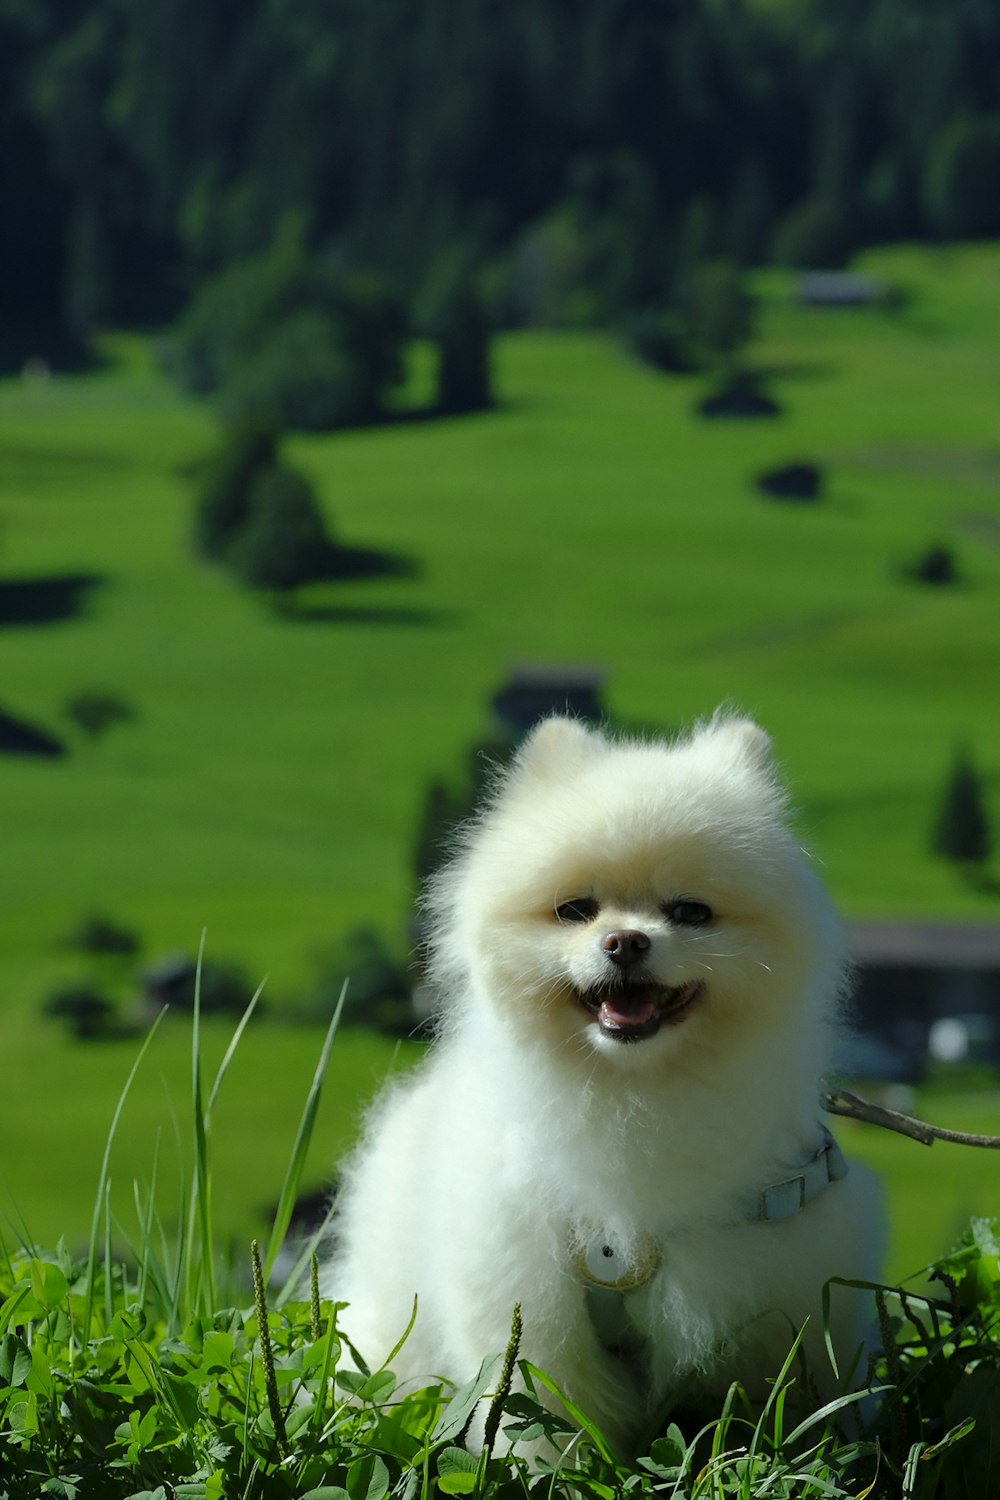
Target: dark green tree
445,806
442,811
293,337
721,314
962,830
284,541
222,503
151,147
960,188
462,331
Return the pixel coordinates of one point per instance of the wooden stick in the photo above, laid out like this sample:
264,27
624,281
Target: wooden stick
853,1107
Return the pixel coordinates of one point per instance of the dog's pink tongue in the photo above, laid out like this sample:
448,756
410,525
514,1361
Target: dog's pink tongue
628,1007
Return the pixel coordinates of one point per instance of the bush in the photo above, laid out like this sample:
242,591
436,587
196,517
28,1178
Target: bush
801,481
223,990
661,338
86,1011
937,565
222,502
741,396
260,516
95,711
284,540
102,936
378,985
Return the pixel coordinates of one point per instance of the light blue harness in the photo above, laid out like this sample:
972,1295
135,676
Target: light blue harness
609,1273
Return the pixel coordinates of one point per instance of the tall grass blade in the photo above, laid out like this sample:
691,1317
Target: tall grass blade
109,1301
145,1218
19,1225
234,1043
88,1305
595,1434
205,1278
838,1404
293,1281
783,1374
290,1186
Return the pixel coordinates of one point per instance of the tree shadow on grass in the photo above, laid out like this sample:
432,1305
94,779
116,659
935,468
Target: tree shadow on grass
338,564
362,614
799,369
44,601
18,737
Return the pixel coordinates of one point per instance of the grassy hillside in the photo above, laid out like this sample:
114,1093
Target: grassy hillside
269,784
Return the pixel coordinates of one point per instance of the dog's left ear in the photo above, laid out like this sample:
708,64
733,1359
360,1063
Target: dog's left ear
747,742
555,746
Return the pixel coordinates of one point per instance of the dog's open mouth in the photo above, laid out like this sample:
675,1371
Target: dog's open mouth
632,1012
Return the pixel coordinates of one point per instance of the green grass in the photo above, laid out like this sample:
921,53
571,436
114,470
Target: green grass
54,1138
270,785
141,1378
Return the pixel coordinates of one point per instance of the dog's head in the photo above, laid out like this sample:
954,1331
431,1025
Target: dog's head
637,897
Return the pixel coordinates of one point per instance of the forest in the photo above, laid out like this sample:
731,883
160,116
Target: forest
569,164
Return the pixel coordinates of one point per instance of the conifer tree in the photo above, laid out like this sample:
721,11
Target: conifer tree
962,831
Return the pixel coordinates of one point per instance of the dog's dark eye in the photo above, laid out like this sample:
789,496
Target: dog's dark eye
688,913
580,910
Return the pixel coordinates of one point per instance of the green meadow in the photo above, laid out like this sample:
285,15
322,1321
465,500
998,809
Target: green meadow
270,783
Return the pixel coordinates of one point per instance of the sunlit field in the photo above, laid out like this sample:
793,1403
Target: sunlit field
270,782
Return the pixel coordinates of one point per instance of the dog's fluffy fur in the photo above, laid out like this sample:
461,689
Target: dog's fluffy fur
641,977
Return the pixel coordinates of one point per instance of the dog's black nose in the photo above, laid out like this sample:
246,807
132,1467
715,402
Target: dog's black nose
625,946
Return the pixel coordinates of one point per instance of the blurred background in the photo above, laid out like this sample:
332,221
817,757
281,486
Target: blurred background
378,375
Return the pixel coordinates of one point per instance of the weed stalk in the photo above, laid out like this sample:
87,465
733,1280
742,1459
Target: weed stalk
504,1383
266,1351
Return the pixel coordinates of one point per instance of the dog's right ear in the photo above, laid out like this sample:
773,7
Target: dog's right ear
555,746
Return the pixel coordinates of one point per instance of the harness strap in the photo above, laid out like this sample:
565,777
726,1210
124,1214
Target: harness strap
608,1276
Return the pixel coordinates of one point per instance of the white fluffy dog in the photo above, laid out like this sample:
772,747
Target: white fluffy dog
618,1126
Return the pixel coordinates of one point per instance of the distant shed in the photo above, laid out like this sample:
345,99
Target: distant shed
533,691
839,289
912,976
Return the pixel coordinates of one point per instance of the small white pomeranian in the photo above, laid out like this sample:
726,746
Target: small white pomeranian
618,1126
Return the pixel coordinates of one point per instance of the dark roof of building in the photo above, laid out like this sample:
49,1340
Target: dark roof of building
559,675
532,691
950,945
839,288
